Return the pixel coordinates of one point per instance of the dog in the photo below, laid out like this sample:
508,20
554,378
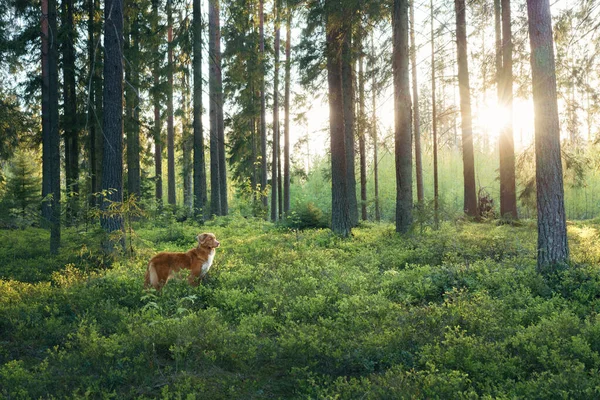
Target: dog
164,265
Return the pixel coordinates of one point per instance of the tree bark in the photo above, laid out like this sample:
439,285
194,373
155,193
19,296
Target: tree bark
70,117
50,133
374,134
263,108
340,213
553,248
470,195
214,65
508,195
349,117
200,197
416,114
157,121
274,167
402,117
436,192
286,101
92,110
362,128
171,196
112,177
187,143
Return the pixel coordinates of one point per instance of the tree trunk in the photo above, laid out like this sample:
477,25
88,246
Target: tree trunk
470,195
508,196
220,123
187,143
340,213
374,133
92,111
402,117
349,117
362,129
171,197
199,162
436,193
416,115
274,167
71,123
157,121
286,101
263,108
112,177
50,133
132,102
553,248
214,65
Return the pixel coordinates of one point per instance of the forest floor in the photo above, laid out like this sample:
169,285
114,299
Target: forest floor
449,314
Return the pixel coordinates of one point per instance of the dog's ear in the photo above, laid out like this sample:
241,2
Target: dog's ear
201,237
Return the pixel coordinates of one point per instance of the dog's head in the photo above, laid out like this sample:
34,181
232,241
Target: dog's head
208,240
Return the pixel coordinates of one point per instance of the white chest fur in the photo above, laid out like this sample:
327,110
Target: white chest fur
208,263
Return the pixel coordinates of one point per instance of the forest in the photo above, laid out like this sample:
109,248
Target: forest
404,192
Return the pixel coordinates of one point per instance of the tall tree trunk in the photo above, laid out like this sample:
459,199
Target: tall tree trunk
274,167
553,248
214,65
286,101
157,121
349,117
171,197
374,134
402,117
50,133
71,123
470,195
133,164
199,162
263,108
508,195
188,143
416,115
362,128
436,193
112,177
221,124
340,212
92,111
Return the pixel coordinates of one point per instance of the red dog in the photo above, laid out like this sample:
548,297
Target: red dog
164,265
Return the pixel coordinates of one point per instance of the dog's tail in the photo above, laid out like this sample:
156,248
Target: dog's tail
151,278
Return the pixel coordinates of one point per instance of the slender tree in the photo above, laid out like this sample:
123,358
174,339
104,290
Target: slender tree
274,167
508,191
171,197
470,195
263,107
434,121
94,102
374,132
132,99
214,67
156,104
50,134
199,162
402,117
286,105
416,115
553,248
362,127
112,176
70,117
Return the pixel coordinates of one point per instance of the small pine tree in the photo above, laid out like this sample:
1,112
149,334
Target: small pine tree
23,187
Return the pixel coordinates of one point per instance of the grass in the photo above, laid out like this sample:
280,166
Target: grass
449,314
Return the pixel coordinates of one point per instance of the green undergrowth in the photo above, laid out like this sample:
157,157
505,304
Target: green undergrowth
449,314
